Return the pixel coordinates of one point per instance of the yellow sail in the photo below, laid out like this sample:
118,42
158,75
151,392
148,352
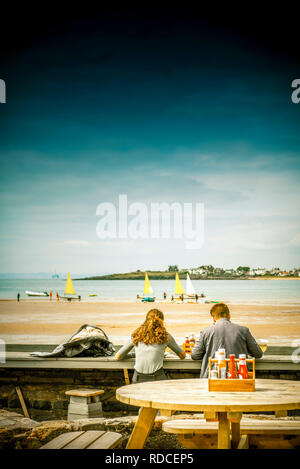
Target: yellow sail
69,290
148,290
178,287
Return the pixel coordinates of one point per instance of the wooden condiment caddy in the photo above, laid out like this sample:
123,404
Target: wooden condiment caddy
232,385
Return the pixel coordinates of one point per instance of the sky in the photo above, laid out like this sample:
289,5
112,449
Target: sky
179,108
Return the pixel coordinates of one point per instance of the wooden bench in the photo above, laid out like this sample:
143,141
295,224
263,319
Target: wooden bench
256,433
91,439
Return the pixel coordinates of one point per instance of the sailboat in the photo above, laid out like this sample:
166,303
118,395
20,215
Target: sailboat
178,287
148,290
190,290
70,290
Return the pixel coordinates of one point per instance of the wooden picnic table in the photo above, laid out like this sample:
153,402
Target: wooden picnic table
192,395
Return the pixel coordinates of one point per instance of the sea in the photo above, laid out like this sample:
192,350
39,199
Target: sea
272,292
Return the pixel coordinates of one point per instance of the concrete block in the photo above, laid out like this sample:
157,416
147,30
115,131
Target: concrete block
85,410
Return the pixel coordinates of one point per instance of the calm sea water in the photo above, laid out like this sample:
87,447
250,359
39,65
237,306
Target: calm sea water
231,291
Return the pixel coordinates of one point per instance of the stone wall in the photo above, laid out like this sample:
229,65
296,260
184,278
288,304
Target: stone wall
17,432
44,389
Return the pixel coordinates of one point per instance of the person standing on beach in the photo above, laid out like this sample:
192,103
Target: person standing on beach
50,295
235,339
196,298
150,341
57,296
165,296
18,296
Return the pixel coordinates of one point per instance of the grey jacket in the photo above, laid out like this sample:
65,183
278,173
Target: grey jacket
224,334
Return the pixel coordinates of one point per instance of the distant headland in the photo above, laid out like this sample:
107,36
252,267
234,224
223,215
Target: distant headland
205,272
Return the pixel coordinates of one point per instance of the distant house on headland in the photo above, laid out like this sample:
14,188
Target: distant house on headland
275,271
208,271
254,272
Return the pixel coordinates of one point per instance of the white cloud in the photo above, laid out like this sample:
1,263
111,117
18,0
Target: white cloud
117,244
77,242
262,193
252,236
296,240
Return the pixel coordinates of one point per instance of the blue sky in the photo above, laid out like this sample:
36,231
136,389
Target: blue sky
186,112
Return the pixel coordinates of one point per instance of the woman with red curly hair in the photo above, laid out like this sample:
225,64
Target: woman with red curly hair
150,341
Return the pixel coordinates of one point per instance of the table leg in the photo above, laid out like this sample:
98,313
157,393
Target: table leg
223,431
235,419
235,434
142,428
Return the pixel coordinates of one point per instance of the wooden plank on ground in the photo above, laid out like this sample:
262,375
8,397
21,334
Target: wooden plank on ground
107,441
126,376
62,440
20,396
85,440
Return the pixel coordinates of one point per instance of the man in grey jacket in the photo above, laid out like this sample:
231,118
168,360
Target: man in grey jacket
223,334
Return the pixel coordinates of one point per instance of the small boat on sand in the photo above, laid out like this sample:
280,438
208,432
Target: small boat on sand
178,287
33,293
148,294
190,290
148,299
70,290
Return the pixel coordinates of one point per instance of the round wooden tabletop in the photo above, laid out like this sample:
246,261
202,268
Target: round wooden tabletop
193,395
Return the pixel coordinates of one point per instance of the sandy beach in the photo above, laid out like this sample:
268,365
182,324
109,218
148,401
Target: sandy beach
42,322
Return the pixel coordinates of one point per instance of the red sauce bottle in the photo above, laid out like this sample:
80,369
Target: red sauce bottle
232,371
187,346
243,372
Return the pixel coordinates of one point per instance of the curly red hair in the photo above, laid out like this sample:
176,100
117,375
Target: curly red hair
152,331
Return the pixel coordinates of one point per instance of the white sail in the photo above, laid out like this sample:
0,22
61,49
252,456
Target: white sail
190,290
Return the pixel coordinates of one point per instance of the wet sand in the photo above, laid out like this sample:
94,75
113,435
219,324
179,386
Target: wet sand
45,321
